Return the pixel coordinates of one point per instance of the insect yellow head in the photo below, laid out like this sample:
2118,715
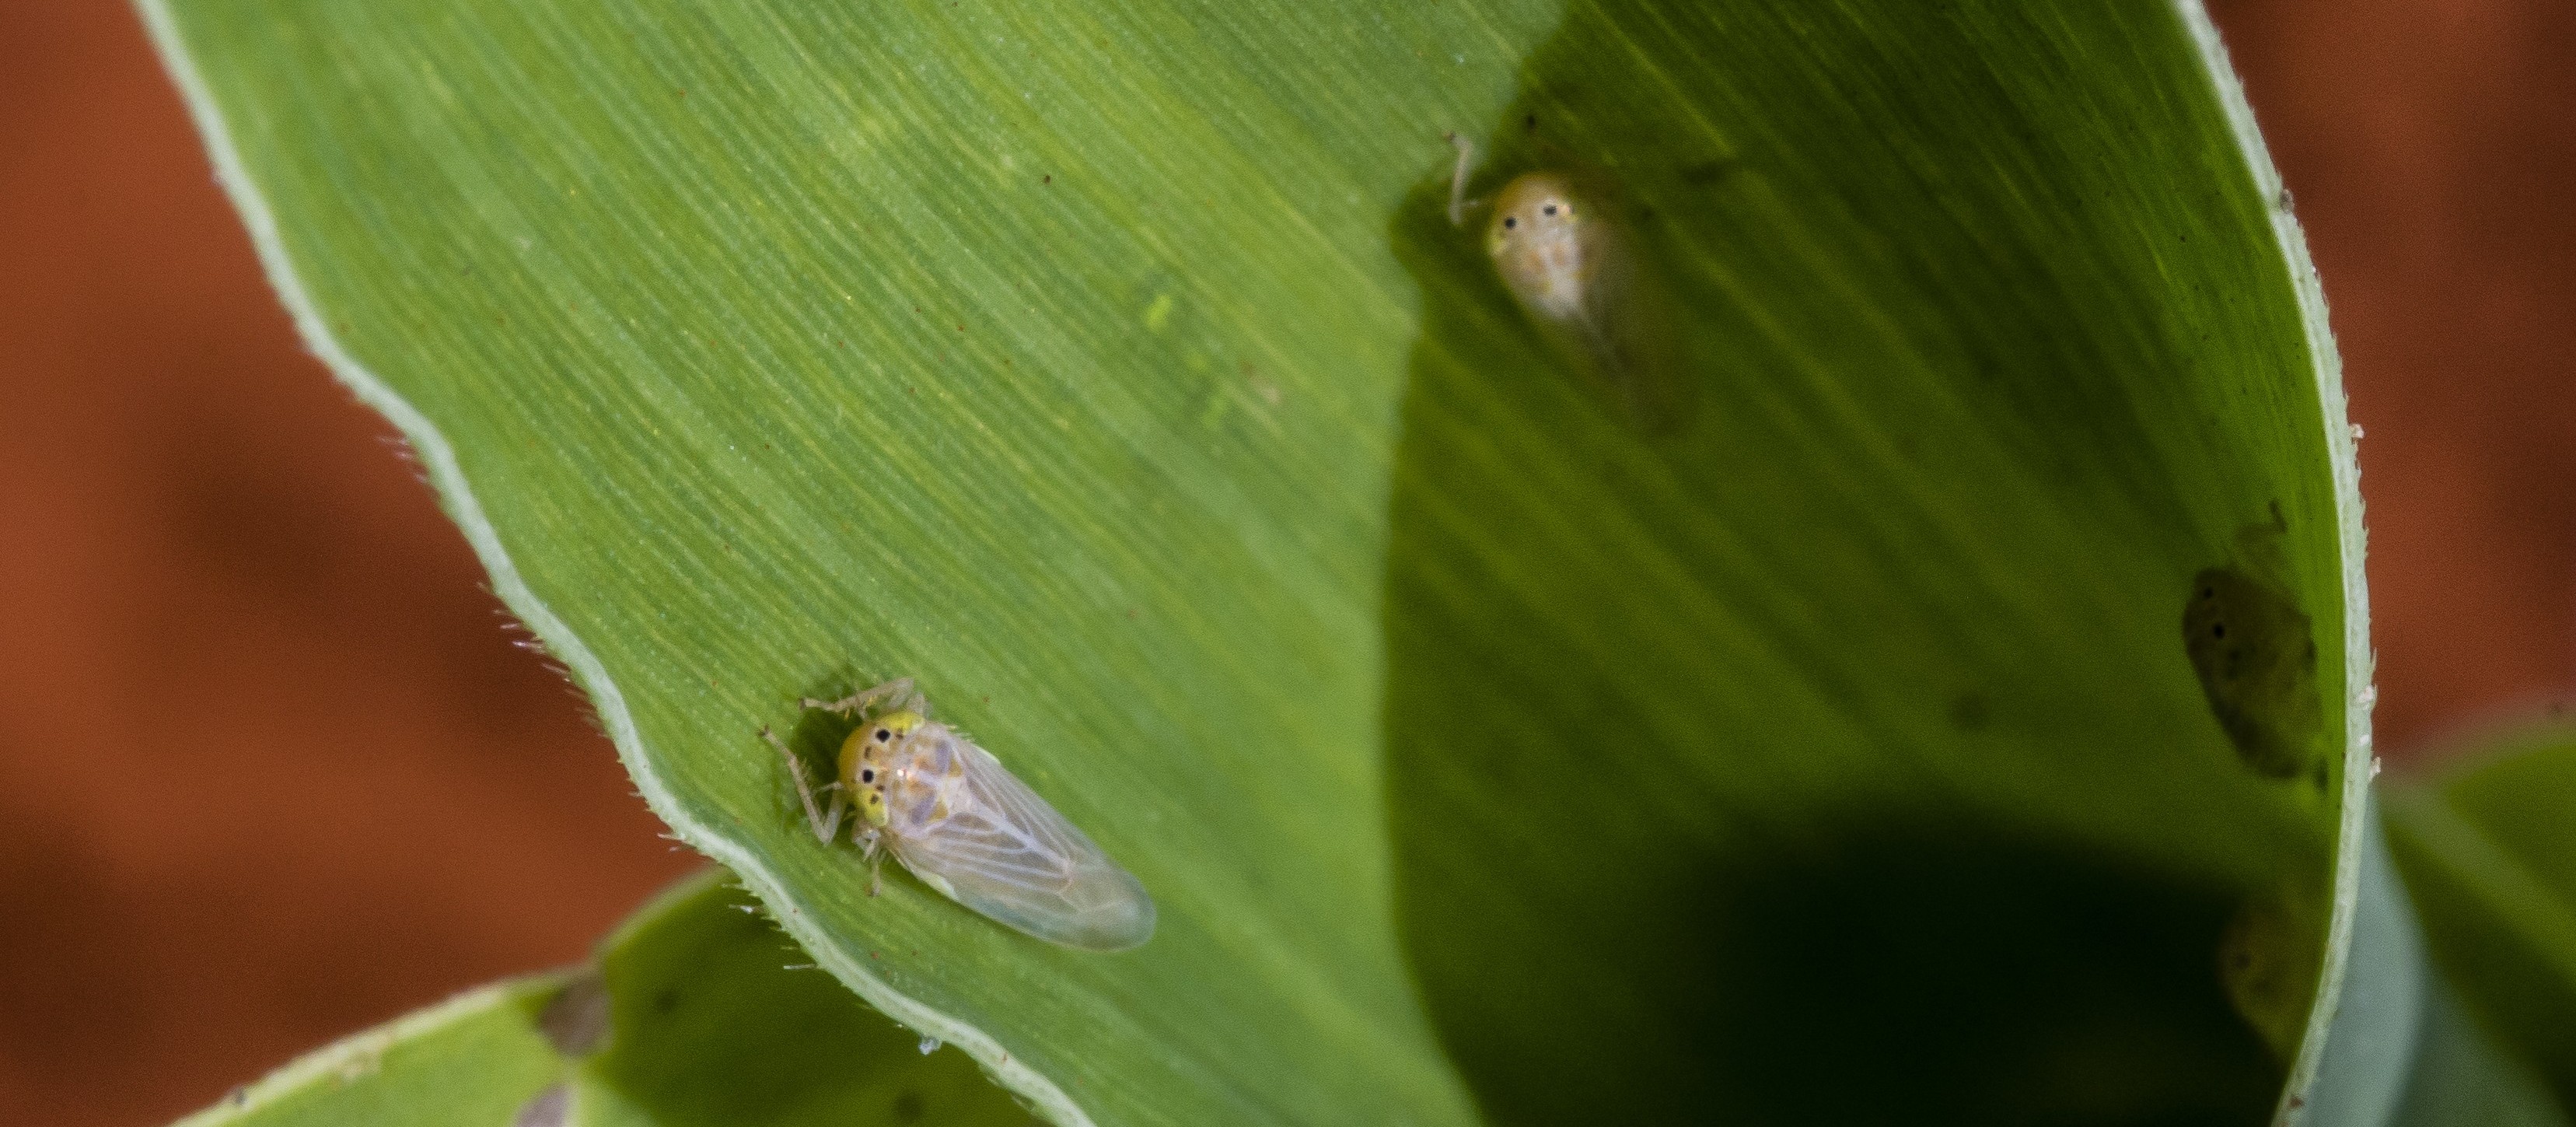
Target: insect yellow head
864,758
1538,240
1532,208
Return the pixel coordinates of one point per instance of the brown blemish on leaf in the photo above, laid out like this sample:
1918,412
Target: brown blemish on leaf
549,1108
576,1021
2256,655
2269,959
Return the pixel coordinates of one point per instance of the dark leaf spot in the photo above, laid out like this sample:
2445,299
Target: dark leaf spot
549,1108
2256,656
576,1020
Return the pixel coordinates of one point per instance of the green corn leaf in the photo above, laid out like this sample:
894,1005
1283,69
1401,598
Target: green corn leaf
2488,848
2404,1049
694,1014
713,1019
477,1058
1916,633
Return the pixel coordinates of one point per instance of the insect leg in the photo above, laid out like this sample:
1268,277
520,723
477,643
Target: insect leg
1458,178
900,696
876,860
804,793
900,690
840,806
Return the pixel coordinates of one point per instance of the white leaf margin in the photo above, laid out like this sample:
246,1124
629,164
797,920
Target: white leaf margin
360,1054
2386,1045
2352,844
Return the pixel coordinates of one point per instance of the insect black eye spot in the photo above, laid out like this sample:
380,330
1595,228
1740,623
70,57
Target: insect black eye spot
868,776
2218,631
1510,222
1548,210
884,735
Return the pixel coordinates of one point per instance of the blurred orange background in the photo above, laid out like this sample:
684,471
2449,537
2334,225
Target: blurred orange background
271,770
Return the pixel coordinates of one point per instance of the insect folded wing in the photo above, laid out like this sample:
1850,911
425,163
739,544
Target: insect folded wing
1003,852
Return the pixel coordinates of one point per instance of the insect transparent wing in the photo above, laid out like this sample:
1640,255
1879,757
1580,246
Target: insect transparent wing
1004,852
